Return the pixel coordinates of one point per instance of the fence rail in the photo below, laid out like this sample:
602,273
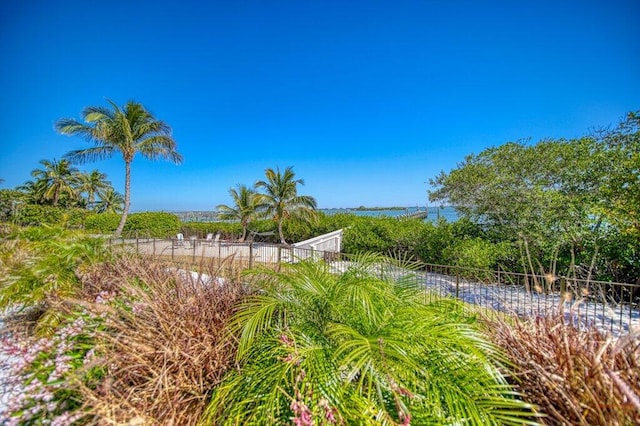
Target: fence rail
612,307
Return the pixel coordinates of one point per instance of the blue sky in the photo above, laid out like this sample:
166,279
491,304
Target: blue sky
367,100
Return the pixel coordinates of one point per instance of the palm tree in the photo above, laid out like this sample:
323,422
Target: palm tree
92,184
129,131
281,200
245,207
56,179
110,202
360,347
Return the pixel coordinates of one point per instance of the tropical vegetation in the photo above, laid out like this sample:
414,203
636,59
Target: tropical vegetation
281,200
359,346
128,131
107,337
566,206
245,207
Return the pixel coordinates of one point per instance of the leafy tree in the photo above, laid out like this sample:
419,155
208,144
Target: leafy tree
92,184
110,202
621,188
57,178
244,210
543,196
359,347
129,131
281,200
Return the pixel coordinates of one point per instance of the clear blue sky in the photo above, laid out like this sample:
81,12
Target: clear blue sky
367,100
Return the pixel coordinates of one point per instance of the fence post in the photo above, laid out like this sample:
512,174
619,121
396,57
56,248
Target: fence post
195,242
279,260
251,254
457,283
173,248
137,244
154,246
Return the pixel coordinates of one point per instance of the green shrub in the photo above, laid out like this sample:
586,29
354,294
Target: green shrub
35,214
432,241
41,266
152,224
296,230
476,253
361,347
103,223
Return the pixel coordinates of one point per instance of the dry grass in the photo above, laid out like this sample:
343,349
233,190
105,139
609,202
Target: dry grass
574,377
165,348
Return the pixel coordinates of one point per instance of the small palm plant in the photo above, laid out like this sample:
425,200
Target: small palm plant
362,346
40,268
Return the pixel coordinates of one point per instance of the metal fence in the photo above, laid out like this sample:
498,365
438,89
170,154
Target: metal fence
247,253
609,306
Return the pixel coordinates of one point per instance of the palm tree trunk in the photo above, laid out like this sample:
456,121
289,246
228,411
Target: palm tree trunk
56,195
281,232
127,197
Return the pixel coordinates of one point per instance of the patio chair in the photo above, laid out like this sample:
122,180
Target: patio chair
180,242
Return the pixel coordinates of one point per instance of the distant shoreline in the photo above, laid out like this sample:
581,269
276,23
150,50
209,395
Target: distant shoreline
430,213
360,208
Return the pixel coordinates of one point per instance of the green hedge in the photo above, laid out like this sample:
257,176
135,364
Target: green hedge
146,224
35,214
152,224
102,223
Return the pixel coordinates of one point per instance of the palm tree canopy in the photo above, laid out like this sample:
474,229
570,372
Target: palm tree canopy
110,202
55,179
244,209
281,200
129,130
92,184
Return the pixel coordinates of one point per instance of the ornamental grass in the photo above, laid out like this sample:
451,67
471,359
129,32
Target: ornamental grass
163,348
575,377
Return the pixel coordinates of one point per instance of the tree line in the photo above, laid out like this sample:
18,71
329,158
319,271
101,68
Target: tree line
558,206
568,206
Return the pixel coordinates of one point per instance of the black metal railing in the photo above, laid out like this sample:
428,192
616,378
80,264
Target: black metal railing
610,306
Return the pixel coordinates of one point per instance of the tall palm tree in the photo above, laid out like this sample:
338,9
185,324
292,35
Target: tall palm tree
281,200
129,131
57,178
244,210
92,184
110,202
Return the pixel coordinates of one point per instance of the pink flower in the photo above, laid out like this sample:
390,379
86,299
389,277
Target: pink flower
285,339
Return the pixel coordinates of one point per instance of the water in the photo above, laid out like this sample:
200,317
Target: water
448,213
